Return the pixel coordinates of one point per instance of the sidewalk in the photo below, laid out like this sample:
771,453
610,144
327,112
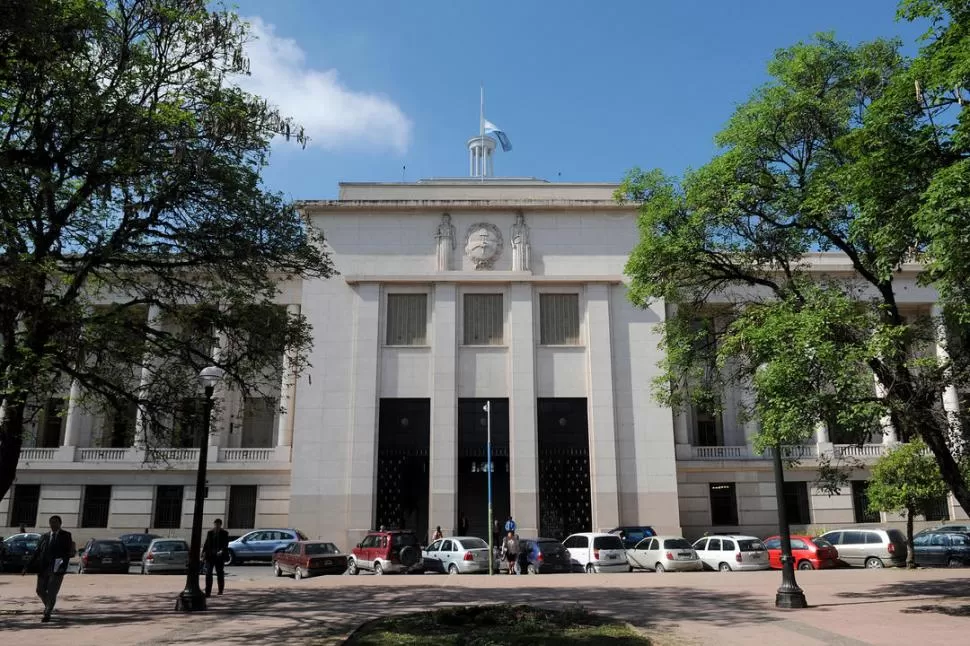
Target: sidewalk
849,607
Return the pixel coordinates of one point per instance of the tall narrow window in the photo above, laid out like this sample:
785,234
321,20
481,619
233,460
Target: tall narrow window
559,319
168,506
242,507
51,423
94,506
259,416
724,504
188,428
707,428
407,319
23,510
796,503
938,510
860,503
484,319
118,430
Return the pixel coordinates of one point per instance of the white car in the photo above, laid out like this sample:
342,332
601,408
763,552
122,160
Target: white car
728,553
596,552
664,554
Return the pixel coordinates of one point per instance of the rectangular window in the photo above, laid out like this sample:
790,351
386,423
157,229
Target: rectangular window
187,430
407,319
23,510
796,503
938,510
118,430
724,504
94,506
559,319
51,423
706,427
168,506
242,507
484,319
860,503
259,420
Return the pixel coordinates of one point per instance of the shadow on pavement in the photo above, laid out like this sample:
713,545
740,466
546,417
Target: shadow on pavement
895,591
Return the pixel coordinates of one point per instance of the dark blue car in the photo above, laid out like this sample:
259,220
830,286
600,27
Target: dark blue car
542,556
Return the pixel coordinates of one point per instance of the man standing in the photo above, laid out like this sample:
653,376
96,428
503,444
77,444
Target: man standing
52,556
510,525
214,552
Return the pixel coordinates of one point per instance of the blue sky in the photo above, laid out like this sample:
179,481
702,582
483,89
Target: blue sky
585,90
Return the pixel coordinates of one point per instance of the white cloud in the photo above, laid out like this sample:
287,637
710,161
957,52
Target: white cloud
333,115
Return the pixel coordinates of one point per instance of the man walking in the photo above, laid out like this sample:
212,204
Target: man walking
214,552
52,556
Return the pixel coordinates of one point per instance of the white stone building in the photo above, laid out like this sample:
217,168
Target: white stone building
453,293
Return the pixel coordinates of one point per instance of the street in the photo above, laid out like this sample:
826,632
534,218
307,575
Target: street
849,607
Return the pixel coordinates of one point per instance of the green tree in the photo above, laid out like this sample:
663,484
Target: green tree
837,152
130,182
906,480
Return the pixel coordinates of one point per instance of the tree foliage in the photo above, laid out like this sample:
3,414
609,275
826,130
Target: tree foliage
130,184
839,152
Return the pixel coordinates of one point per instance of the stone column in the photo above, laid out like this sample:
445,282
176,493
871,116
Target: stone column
523,437
284,430
443,462
602,414
141,421
951,398
681,427
889,435
72,429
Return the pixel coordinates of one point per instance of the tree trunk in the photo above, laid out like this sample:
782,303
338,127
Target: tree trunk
935,437
11,440
910,555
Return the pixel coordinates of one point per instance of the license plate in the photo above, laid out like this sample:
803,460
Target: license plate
755,556
612,557
328,562
106,560
684,556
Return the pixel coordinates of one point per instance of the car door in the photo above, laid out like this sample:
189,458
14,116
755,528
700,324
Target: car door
248,544
447,554
853,548
578,551
366,559
288,557
773,545
700,546
432,560
921,549
938,548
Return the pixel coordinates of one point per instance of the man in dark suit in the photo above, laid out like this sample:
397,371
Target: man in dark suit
214,552
52,556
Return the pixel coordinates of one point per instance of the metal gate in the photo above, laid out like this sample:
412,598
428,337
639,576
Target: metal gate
404,431
564,480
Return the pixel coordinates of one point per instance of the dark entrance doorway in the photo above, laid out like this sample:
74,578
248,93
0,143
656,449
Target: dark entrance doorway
404,431
564,490
472,472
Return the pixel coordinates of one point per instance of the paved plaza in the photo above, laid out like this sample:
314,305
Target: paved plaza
849,607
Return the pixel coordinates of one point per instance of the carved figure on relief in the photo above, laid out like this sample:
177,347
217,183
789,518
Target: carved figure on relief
483,244
445,238
521,249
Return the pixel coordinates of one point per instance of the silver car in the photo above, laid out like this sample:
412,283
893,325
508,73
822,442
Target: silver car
456,555
165,555
869,547
664,554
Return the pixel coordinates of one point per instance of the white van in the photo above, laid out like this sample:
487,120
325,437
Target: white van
735,552
596,552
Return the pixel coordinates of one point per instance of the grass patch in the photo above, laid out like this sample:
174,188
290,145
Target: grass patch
497,625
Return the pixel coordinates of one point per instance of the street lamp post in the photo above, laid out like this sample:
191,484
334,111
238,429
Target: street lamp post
192,599
789,594
488,473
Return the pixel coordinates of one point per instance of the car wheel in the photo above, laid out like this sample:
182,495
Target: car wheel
723,567
298,574
590,569
378,568
953,562
352,567
277,570
531,569
453,569
233,559
659,568
143,568
874,563
806,565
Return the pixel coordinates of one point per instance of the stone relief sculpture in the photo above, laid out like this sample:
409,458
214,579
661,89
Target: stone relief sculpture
445,238
521,249
483,244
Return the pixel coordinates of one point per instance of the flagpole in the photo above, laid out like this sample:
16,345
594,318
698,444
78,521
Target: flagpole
481,132
488,472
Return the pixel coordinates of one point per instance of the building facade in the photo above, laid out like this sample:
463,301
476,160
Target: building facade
455,296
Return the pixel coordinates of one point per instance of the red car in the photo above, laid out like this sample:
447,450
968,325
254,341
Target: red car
396,550
810,553
309,558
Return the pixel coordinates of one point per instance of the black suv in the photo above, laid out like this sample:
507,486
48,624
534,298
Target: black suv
136,544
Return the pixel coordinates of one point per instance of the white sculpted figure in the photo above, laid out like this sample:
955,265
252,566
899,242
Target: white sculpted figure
521,249
445,237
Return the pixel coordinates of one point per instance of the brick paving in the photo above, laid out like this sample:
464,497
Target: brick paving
848,607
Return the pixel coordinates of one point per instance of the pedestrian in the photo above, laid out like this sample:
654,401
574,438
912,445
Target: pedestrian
437,533
511,549
463,525
214,552
23,530
52,557
510,525
496,533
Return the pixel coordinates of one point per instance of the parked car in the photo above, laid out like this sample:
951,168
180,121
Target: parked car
871,548
136,544
950,549
456,555
631,535
387,552
542,556
303,559
16,551
732,552
260,545
165,555
664,554
596,552
809,553
104,556
949,527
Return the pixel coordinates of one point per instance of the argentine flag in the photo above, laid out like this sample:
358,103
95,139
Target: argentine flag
492,129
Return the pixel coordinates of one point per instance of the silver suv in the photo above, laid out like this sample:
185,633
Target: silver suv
869,547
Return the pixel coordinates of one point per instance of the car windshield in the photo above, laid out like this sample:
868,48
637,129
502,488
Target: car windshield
550,547
749,545
612,542
676,544
321,548
473,544
821,542
171,546
111,548
401,540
